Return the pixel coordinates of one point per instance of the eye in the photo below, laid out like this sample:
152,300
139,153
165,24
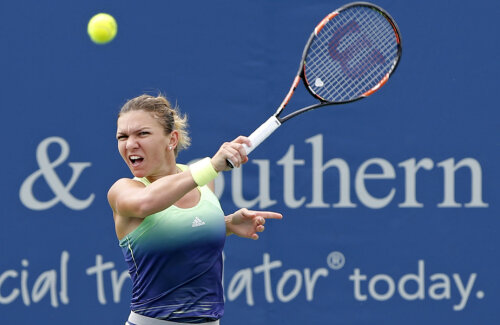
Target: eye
121,137
143,133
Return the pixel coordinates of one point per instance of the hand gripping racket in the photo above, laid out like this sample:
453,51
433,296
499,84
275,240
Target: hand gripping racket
350,55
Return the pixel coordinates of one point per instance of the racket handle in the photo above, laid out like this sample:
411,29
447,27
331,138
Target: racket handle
259,135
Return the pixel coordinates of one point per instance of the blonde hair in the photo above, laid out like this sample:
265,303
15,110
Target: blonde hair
161,109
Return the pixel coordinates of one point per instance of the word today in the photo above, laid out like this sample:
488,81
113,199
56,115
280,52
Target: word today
437,286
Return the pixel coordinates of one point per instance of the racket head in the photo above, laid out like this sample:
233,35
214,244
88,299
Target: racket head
351,53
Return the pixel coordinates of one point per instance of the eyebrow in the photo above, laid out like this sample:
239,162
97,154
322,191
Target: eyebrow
144,128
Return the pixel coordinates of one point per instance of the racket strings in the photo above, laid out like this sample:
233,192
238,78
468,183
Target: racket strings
351,54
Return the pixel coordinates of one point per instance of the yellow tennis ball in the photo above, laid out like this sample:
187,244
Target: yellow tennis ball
102,28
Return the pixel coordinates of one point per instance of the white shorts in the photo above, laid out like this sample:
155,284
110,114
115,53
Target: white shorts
136,319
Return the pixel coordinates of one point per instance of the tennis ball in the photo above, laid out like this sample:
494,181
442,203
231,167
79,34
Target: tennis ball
102,28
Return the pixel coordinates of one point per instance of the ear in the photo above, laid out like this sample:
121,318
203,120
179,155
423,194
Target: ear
174,139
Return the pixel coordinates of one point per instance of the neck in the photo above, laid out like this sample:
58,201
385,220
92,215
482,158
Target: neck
170,169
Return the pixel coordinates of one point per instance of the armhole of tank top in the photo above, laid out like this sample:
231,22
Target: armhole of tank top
129,247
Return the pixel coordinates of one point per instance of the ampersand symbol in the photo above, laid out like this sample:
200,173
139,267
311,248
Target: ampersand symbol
62,192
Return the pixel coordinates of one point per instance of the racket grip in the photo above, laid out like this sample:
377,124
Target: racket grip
259,135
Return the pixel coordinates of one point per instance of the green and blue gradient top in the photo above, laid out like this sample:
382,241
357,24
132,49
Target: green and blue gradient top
175,261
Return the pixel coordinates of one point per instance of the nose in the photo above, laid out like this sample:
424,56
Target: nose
131,143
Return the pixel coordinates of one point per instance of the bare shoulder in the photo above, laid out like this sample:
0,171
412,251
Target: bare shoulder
119,198
123,184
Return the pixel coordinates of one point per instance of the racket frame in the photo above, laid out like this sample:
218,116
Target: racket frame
275,121
301,75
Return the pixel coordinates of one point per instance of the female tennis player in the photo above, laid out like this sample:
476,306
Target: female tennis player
169,223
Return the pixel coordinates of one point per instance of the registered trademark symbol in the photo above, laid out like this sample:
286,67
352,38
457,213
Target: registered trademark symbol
335,260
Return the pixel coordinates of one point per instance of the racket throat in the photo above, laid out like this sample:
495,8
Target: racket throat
295,83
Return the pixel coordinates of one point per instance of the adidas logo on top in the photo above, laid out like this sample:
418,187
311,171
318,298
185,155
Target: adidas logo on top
197,222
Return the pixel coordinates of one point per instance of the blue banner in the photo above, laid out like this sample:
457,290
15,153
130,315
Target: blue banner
390,203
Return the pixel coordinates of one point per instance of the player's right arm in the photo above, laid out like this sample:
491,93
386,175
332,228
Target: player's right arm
131,198
132,201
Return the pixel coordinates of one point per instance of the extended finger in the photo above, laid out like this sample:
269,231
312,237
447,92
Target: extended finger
248,213
269,214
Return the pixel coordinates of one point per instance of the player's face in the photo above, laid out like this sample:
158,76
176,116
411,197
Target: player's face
143,144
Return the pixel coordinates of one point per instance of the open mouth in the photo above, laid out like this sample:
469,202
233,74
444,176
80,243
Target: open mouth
135,160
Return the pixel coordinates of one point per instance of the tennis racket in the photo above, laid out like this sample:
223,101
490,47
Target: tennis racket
350,55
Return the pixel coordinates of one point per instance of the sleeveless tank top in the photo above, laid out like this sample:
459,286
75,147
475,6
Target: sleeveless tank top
174,259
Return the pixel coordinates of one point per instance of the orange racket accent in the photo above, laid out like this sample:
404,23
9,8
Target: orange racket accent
290,92
395,33
377,86
324,21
